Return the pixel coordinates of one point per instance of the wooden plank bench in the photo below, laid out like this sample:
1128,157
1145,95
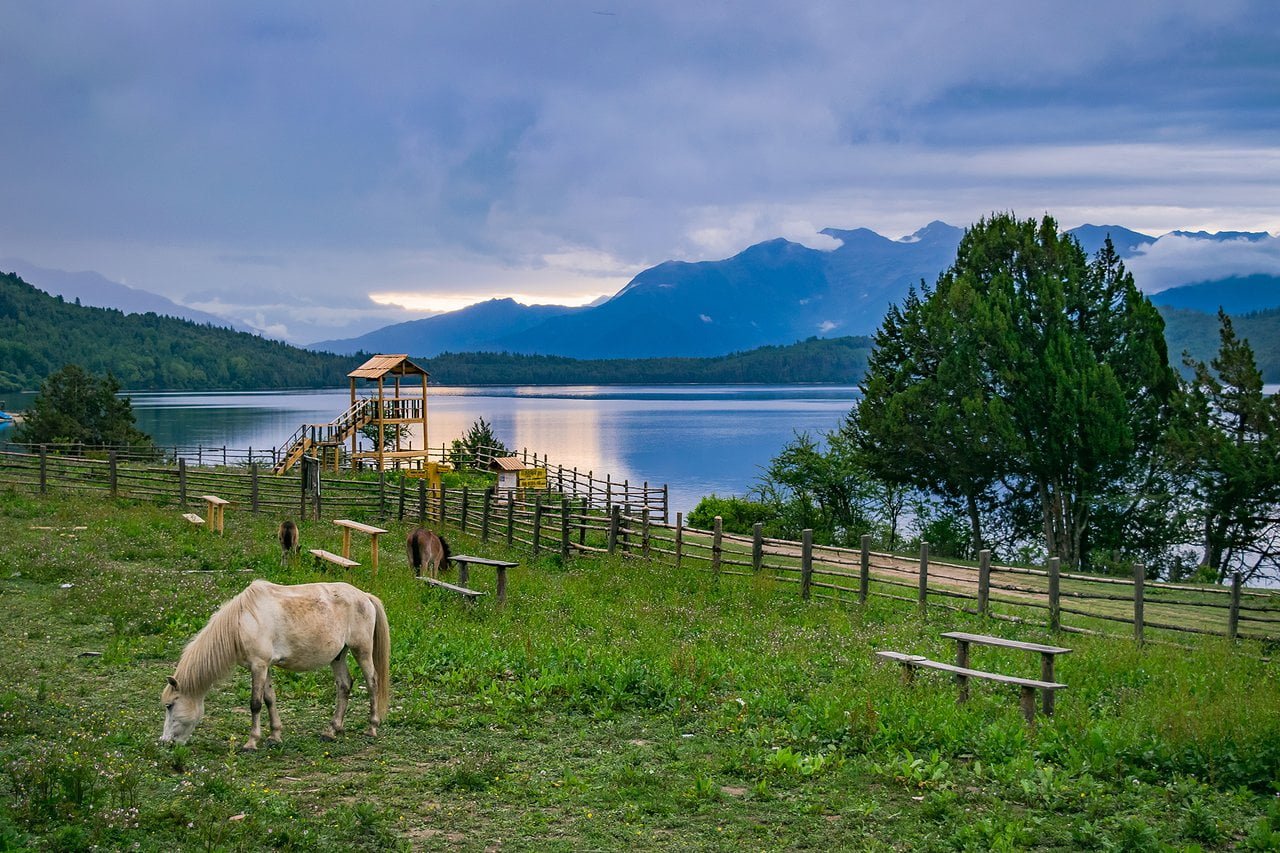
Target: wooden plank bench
215,505
193,518
1047,656
347,526
1027,686
465,561
330,557
469,594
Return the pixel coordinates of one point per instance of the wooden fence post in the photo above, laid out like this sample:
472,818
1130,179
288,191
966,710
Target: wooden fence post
382,493
864,569
466,497
717,534
44,470
757,547
422,502
679,546
400,501
485,503
182,482
537,521
113,466
564,529
511,518
584,508
984,582
644,532
666,504
923,595
806,562
1139,578
615,518
1233,616
1055,615
443,490
253,488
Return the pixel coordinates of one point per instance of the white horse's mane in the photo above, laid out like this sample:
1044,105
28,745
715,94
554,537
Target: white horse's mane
214,652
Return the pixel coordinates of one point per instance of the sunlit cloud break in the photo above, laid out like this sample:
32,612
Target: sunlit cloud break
438,303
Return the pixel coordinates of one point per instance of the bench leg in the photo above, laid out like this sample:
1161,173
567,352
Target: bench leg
962,660
1029,704
346,542
908,673
464,574
1046,674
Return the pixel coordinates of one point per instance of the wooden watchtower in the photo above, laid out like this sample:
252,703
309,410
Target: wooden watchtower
394,411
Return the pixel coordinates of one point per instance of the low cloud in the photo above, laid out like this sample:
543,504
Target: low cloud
1175,260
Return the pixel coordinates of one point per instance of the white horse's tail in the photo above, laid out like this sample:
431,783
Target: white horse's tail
381,658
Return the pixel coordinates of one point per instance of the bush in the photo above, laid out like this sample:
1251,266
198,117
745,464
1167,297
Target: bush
738,515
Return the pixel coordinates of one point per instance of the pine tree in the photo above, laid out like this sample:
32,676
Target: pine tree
76,407
1228,441
1026,371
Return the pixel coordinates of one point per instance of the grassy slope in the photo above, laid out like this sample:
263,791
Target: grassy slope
607,706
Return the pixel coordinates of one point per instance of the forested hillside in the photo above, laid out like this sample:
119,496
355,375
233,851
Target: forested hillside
1197,333
40,333
836,360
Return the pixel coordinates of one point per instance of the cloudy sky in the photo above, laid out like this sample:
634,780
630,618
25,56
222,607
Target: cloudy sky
320,169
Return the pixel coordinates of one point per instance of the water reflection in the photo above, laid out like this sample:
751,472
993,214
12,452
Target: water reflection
697,439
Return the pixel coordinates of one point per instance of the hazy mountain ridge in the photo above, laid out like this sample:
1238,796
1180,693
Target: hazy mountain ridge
772,293
95,290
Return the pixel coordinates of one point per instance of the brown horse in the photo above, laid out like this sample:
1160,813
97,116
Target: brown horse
428,549
288,536
300,628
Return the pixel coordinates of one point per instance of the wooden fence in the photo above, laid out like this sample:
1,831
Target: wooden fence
598,492
568,523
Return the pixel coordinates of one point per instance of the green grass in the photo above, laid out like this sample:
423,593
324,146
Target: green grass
609,705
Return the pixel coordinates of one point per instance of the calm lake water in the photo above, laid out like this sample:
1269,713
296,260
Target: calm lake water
698,440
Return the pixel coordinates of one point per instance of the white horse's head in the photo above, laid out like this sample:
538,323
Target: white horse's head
182,713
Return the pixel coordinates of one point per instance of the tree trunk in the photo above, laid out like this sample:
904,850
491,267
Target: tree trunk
975,523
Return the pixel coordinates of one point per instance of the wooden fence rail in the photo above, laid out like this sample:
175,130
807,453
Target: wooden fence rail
572,522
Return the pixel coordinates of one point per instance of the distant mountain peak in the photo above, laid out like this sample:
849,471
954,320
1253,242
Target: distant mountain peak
935,231
1223,236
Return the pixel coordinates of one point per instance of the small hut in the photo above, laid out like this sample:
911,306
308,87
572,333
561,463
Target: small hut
508,469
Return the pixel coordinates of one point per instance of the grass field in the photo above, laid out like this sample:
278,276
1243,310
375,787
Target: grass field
609,705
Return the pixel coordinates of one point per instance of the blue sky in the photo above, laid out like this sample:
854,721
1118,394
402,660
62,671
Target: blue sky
315,168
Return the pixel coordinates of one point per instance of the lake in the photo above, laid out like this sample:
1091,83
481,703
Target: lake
698,440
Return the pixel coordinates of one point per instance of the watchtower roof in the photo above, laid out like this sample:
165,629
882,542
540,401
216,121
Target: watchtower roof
382,365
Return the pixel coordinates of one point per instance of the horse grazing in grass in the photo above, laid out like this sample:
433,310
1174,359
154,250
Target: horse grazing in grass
300,628
428,549
288,536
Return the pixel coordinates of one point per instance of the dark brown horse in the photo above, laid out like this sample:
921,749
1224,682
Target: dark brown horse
428,549
288,536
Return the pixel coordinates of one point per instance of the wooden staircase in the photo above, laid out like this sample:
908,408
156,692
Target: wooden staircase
311,437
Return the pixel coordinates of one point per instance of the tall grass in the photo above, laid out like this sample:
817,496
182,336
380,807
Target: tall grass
609,703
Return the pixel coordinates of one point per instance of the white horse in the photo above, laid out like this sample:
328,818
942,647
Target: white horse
300,628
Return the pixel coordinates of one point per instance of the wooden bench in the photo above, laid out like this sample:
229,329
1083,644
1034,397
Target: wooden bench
193,518
347,526
469,594
1027,686
330,557
465,561
216,506
1047,656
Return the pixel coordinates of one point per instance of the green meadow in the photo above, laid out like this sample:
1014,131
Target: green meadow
611,704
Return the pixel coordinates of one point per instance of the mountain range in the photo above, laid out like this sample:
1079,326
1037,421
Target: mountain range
772,293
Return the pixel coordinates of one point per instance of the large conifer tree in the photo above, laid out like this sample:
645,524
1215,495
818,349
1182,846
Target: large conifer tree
1027,370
